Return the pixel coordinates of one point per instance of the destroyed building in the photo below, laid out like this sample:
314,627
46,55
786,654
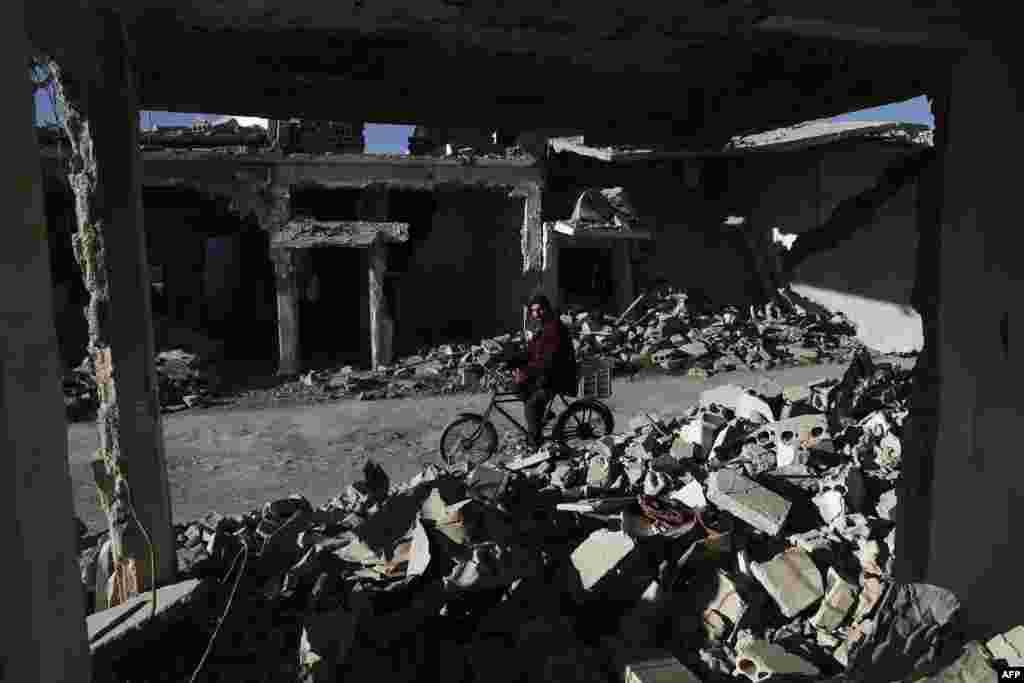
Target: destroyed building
694,75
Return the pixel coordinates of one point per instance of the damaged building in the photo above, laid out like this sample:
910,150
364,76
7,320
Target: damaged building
312,257
373,246
784,181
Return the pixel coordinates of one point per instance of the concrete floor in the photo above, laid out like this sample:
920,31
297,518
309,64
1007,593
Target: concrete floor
234,461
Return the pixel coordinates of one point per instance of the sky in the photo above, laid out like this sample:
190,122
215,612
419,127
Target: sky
393,138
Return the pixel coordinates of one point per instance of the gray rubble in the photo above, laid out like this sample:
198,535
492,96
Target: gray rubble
558,565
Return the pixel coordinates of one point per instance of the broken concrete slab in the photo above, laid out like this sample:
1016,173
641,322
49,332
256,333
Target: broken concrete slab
599,555
657,668
118,631
749,501
759,660
840,597
792,579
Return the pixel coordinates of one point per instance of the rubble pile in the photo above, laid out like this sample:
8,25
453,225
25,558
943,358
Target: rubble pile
183,378
667,330
751,537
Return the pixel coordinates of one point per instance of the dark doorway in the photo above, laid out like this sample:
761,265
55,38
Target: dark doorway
332,322
585,277
415,207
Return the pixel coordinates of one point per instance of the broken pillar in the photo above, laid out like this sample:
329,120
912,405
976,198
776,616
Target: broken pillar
532,246
373,206
41,564
286,276
101,119
972,361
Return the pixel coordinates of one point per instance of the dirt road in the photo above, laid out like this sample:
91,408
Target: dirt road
234,461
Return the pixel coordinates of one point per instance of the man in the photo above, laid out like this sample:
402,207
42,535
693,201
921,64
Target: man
550,367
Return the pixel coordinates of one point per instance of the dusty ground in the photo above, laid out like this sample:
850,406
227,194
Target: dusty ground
233,461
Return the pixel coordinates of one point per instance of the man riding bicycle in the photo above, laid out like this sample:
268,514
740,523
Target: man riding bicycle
549,368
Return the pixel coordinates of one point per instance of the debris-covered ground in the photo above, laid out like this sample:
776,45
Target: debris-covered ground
752,536
667,331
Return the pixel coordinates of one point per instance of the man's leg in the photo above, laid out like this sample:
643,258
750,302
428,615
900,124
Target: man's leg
536,404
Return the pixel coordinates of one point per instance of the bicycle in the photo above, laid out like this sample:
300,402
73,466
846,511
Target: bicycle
581,420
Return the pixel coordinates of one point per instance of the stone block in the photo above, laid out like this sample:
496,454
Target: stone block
600,554
1008,646
792,579
683,449
748,500
599,472
725,609
840,597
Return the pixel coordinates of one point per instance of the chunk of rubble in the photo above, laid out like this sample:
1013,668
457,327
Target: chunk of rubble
600,554
840,597
792,579
759,660
746,499
657,668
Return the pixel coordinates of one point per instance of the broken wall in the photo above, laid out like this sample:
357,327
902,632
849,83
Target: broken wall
870,276
683,211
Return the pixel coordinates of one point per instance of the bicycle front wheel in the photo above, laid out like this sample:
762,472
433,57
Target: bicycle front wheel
469,438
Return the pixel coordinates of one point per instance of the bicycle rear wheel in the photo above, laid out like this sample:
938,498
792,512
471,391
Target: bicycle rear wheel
469,438
584,420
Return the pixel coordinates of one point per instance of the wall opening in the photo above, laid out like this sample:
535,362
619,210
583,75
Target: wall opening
585,277
333,293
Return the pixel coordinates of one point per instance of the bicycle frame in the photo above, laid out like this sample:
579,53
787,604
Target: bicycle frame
500,397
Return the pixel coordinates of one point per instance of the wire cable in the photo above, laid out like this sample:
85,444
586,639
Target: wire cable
244,553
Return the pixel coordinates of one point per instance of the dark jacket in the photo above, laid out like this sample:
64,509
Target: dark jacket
551,359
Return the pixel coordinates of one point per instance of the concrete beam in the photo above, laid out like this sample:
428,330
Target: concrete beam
307,232
130,469
48,643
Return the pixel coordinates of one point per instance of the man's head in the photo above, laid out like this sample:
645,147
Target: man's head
539,307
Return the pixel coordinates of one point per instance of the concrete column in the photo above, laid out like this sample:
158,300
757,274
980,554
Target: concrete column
550,266
623,274
102,120
373,206
972,503
286,276
532,235
381,325
41,576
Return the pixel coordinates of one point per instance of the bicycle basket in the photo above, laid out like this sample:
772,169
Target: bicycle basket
595,378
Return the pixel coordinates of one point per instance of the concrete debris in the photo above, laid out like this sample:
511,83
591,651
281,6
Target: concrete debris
746,499
792,579
663,669
667,331
840,597
758,660
679,552
599,554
